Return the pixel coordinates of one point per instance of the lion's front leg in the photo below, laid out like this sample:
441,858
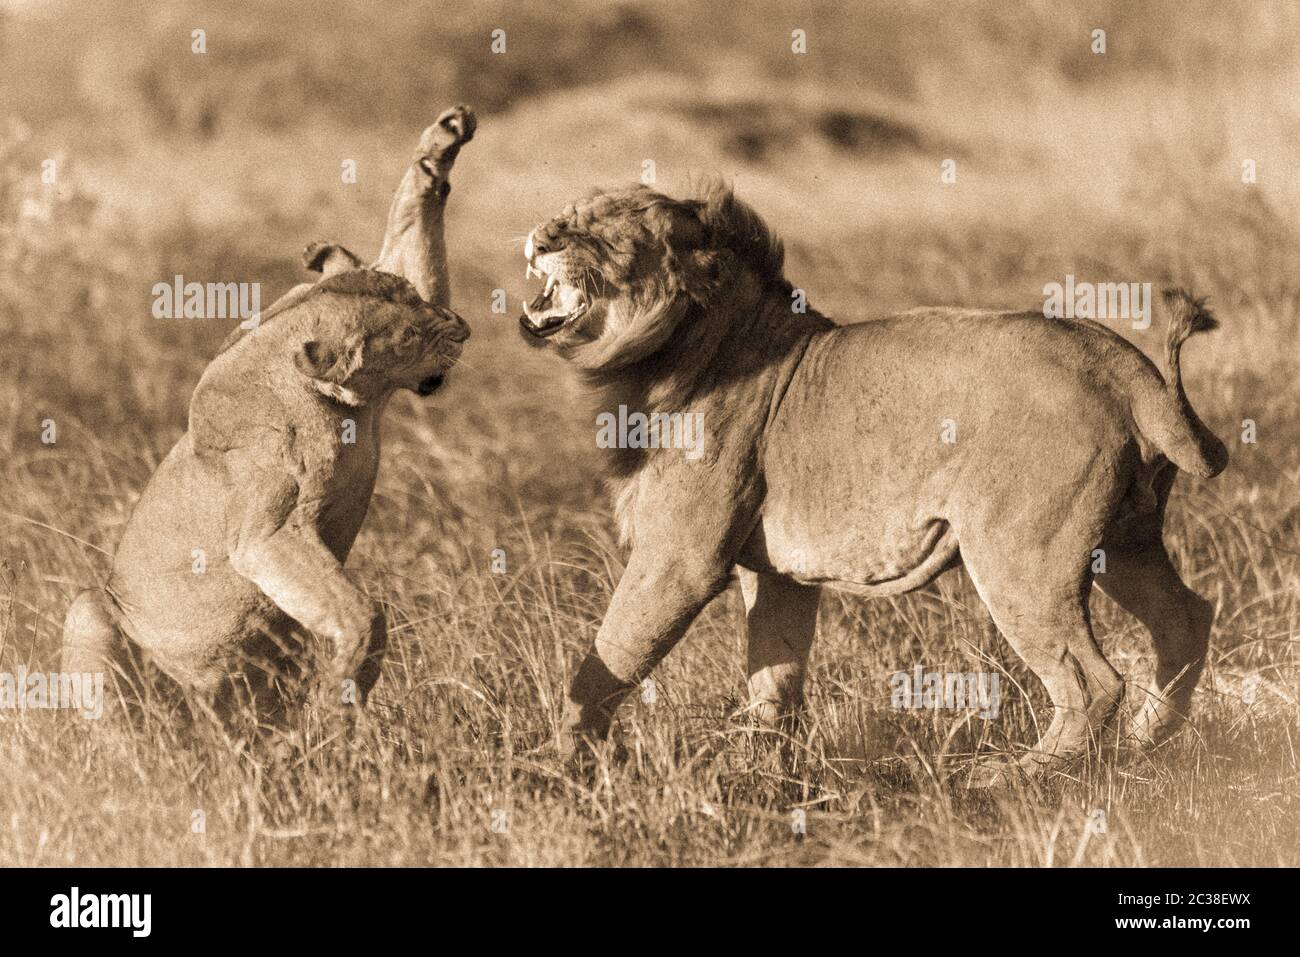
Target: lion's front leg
780,622
292,567
656,600
414,245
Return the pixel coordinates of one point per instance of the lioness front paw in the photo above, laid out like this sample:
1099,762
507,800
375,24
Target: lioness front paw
459,121
440,143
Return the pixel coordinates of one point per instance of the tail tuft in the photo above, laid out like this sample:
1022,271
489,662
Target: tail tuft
1188,315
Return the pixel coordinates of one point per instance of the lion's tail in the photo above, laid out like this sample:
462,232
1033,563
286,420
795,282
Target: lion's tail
1168,419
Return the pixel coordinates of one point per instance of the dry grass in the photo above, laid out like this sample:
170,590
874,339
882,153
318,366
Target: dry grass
1117,168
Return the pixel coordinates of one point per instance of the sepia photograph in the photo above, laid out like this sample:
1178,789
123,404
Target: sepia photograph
644,434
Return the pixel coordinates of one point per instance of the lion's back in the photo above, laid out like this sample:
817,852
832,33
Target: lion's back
900,421
171,569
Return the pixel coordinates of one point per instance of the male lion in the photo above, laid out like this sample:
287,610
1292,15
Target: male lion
238,542
869,458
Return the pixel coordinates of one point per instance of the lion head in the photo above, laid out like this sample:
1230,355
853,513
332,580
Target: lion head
385,337
622,269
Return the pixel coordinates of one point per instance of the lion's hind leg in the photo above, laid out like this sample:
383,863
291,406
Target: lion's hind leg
92,641
1145,583
1038,600
94,644
780,622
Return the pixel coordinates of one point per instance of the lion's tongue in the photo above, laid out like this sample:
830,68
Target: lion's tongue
541,310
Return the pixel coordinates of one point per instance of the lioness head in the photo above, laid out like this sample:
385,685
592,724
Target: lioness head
621,270
382,337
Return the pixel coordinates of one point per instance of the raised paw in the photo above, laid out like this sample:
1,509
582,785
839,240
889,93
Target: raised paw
459,122
440,143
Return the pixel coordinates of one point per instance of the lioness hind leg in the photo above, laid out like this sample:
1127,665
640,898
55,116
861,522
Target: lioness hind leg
93,644
1146,585
780,623
91,639
1040,607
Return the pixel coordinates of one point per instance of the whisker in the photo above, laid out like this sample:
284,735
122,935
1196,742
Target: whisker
463,363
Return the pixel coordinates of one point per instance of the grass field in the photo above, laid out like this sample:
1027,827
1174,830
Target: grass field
1125,166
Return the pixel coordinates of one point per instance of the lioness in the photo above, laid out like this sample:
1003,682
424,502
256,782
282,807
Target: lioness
868,457
239,539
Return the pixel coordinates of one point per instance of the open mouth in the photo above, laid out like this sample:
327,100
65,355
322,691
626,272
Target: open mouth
557,305
429,385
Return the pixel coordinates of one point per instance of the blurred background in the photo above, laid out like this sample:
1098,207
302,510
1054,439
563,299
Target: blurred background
1122,166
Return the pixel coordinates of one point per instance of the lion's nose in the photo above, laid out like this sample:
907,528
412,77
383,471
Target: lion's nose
457,329
545,239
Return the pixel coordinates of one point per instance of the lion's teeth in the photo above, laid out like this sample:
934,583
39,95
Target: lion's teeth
530,272
550,284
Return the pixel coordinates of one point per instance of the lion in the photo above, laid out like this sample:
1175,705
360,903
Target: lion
868,458
238,542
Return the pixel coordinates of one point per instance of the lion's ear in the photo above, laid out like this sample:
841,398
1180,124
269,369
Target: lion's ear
705,271
316,360
328,368
329,258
